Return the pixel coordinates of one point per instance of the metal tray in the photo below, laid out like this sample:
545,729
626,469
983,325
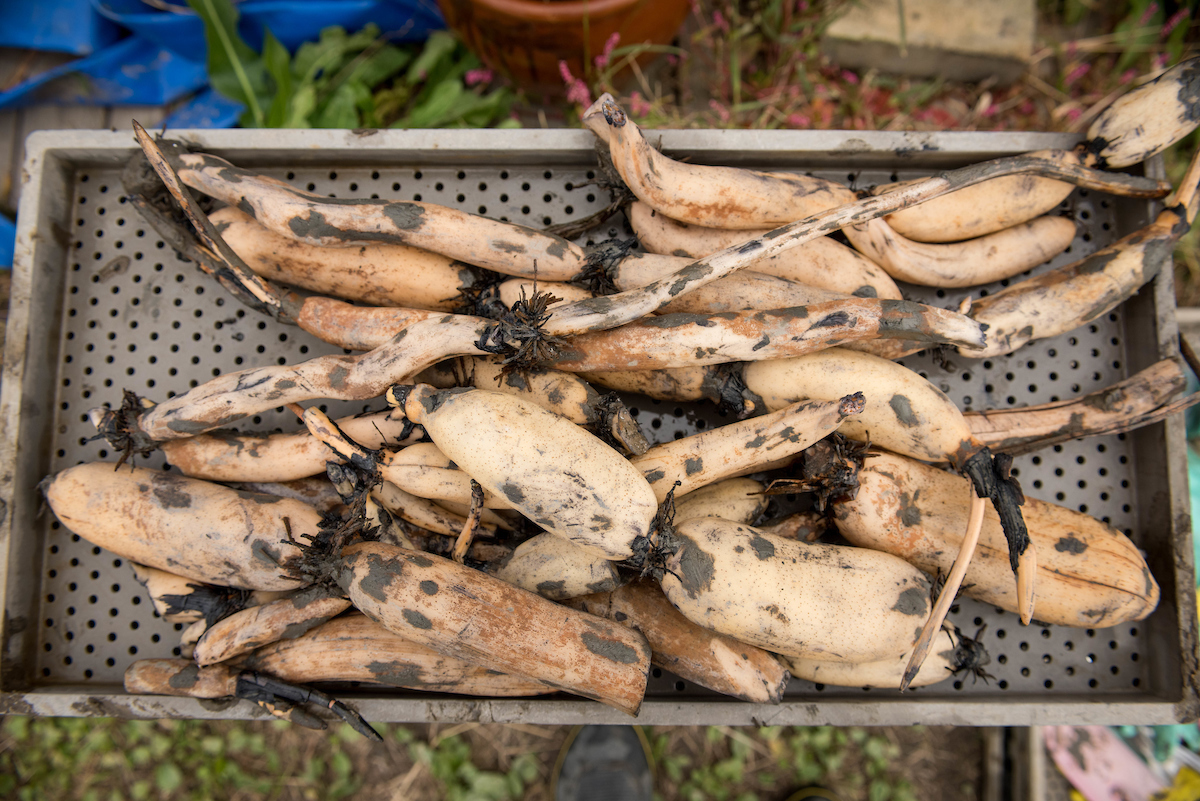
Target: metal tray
100,304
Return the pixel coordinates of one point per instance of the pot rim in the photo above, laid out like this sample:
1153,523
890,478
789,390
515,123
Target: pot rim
558,11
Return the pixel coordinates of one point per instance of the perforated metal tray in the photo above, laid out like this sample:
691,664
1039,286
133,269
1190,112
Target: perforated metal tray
100,304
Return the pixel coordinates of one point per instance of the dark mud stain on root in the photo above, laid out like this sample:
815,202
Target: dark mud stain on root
379,575
266,553
416,619
763,548
695,567
609,649
1189,91
693,465
396,673
911,602
302,627
902,407
405,216
170,491
258,497
1070,544
910,513
835,320
604,585
551,589
337,378
429,587
186,678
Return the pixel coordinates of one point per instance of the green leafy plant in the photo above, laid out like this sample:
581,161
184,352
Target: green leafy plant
449,760
721,779
350,80
880,757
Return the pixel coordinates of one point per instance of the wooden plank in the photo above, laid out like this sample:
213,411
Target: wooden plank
121,118
9,141
48,118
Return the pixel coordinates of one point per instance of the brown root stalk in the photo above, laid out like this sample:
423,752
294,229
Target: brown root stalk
949,590
504,247
1143,398
690,340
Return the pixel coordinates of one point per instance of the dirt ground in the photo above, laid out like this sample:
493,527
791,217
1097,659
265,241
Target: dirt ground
945,763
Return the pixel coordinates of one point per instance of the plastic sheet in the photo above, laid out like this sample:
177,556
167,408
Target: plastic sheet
60,26
131,72
291,21
206,110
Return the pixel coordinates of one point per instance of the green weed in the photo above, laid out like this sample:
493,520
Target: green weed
350,80
450,762
103,759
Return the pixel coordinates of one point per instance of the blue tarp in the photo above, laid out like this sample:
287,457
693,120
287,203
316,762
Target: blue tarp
293,22
59,26
161,58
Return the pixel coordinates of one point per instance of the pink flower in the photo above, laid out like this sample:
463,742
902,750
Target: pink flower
991,110
638,104
1148,14
1074,114
1160,61
1127,76
602,59
1176,18
802,6
1026,107
849,77
1076,73
798,121
577,91
475,77
720,21
722,112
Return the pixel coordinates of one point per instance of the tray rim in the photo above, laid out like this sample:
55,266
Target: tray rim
52,158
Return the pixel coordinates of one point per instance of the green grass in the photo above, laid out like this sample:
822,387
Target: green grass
101,759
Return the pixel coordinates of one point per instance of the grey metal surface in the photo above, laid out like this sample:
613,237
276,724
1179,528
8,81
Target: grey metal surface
101,305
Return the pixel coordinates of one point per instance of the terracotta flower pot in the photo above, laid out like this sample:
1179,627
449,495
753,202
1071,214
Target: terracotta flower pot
525,39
